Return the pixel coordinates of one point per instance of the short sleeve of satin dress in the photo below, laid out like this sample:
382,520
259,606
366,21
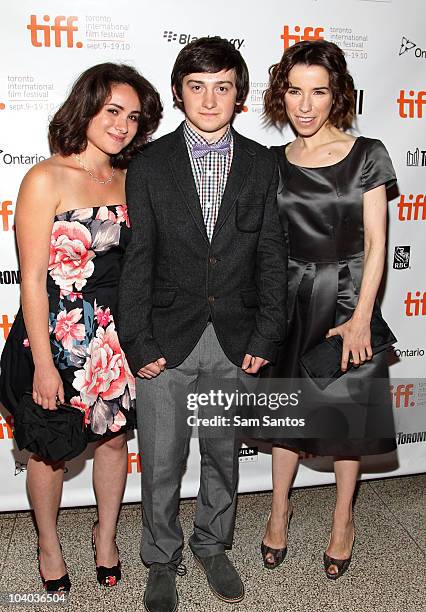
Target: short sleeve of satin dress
321,210
378,169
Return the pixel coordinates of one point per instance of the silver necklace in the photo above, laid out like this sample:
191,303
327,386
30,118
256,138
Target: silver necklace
95,178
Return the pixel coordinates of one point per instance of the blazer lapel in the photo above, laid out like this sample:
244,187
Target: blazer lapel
242,163
182,173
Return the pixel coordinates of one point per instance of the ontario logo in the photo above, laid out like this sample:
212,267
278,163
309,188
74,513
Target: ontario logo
10,159
408,45
184,39
62,29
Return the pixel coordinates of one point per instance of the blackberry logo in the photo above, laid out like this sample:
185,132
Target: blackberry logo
401,258
169,35
184,39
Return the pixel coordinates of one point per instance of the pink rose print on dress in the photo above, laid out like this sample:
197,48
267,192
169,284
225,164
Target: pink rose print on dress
105,214
122,214
67,329
105,375
103,317
77,403
70,255
119,422
73,296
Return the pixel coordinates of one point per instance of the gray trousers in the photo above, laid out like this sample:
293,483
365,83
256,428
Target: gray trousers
164,437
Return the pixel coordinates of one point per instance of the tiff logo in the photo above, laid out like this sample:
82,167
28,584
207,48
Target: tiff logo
401,395
309,33
58,28
413,159
412,211
413,103
134,463
415,306
6,212
5,325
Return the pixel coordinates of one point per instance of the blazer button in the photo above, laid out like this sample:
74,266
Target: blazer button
212,261
211,299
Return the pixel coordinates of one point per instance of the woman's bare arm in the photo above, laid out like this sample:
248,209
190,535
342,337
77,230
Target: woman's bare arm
356,332
35,211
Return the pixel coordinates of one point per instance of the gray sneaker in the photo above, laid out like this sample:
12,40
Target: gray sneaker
222,577
160,593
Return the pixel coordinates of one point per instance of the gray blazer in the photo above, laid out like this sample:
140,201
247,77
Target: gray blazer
174,279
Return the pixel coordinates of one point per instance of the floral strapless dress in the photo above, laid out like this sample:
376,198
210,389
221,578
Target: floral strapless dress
86,251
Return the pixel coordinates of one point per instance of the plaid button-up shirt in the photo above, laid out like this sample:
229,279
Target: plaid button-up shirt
210,174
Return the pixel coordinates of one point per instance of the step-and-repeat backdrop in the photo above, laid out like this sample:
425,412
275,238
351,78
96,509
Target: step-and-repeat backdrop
45,45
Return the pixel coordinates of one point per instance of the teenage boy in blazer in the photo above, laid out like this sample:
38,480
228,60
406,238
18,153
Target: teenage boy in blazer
203,291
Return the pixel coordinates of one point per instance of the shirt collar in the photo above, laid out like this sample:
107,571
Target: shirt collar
191,136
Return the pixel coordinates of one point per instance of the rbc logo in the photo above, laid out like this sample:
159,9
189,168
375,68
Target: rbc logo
401,259
58,28
309,33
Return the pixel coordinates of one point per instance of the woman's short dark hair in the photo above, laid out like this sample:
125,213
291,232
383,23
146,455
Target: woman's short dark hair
210,54
312,53
68,128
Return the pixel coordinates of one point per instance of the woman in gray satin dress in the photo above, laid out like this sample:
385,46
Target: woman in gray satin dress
333,206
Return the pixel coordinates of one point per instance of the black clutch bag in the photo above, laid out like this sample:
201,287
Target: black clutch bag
322,362
54,435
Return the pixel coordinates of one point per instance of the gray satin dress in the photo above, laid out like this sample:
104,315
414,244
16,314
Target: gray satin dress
321,210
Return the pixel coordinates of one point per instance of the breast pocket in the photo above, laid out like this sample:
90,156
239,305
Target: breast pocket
163,297
249,216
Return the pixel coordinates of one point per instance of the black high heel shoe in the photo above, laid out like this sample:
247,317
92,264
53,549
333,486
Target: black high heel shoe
278,554
341,564
60,585
106,576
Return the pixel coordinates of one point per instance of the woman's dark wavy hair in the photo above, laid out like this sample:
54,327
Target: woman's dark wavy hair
68,128
210,54
312,53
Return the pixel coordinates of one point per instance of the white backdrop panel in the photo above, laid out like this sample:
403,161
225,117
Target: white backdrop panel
45,45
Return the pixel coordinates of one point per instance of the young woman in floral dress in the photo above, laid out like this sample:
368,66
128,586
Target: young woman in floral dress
72,230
